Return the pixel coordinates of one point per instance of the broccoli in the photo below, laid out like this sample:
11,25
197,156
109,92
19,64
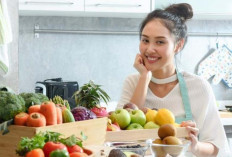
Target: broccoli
10,105
33,99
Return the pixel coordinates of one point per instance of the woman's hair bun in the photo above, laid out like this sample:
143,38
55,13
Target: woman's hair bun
183,10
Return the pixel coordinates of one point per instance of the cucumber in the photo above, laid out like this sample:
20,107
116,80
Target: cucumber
67,116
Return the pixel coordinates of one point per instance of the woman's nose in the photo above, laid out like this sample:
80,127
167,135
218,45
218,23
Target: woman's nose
151,48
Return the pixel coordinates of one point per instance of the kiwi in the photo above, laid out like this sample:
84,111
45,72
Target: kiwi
172,140
116,152
166,130
158,150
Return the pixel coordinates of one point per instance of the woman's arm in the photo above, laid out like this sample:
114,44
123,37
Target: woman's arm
200,149
140,92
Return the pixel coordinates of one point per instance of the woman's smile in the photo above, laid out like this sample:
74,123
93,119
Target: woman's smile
152,59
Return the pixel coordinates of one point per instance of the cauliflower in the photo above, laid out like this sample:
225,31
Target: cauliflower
10,105
33,99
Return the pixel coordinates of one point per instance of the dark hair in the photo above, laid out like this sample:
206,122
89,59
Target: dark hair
173,18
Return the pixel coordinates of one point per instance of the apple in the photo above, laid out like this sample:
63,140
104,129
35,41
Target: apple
144,109
122,117
112,126
151,125
134,126
137,116
130,106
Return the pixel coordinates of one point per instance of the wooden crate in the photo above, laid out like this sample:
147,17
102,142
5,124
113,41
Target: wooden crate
94,129
144,134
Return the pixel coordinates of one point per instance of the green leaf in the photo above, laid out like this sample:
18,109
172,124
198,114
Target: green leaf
90,95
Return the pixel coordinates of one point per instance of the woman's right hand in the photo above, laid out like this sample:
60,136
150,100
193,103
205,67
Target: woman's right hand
139,65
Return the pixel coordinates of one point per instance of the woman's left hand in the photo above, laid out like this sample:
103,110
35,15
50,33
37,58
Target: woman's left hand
193,133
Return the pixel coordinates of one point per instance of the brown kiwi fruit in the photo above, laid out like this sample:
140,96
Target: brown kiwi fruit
172,140
158,150
166,130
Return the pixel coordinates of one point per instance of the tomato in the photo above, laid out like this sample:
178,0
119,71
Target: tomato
74,148
35,153
78,154
59,153
51,146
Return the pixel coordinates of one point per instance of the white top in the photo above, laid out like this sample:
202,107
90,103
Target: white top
202,101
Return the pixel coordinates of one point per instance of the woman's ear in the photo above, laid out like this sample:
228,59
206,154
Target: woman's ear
179,45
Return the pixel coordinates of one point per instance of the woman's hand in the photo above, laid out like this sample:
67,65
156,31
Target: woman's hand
139,65
193,133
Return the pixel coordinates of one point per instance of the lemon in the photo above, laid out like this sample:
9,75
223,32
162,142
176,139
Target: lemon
150,115
164,116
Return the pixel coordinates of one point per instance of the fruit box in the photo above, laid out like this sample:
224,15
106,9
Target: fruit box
142,134
94,129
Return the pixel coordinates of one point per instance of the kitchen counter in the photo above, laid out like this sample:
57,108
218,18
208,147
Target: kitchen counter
226,118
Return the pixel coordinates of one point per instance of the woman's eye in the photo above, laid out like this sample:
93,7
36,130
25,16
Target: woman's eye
160,42
145,40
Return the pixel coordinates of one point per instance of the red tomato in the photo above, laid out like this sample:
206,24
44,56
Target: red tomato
51,146
35,153
74,148
78,154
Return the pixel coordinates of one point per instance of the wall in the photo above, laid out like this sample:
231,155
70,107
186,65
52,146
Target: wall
106,59
12,79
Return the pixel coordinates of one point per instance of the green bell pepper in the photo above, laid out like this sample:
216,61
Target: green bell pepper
59,153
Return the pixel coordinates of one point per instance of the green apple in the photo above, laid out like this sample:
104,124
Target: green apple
134,126
151,125
122,117
138,116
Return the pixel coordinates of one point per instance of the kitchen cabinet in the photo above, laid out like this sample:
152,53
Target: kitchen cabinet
97,8
112,7
50,7
204,10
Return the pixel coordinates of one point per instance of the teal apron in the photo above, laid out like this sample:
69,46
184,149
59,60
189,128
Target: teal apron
185,99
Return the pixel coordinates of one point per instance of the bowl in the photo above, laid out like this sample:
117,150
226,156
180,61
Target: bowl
133,147
163,150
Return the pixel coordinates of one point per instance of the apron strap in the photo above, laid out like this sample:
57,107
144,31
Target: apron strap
185,99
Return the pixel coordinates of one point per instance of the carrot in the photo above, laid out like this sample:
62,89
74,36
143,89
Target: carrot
59,115
21,118
35,153
48,109
36,119
34,108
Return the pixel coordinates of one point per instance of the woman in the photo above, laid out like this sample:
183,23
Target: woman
159,84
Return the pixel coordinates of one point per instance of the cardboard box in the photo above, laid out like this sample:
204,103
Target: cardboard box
94,129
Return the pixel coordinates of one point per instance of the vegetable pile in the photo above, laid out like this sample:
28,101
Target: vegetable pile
51,144
36,110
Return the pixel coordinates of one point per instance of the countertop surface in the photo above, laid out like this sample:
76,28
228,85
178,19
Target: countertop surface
226,117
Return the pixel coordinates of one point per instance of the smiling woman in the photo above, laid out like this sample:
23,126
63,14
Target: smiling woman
160,84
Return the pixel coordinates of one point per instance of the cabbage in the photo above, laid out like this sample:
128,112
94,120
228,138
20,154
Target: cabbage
81,113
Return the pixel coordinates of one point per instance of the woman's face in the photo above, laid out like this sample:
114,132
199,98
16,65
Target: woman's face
157,47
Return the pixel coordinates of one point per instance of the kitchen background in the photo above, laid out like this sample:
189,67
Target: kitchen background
105,59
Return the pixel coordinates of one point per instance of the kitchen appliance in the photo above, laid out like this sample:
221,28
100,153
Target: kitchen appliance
56,86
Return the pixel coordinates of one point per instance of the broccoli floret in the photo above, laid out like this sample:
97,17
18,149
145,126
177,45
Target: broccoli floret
10,105
33,99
